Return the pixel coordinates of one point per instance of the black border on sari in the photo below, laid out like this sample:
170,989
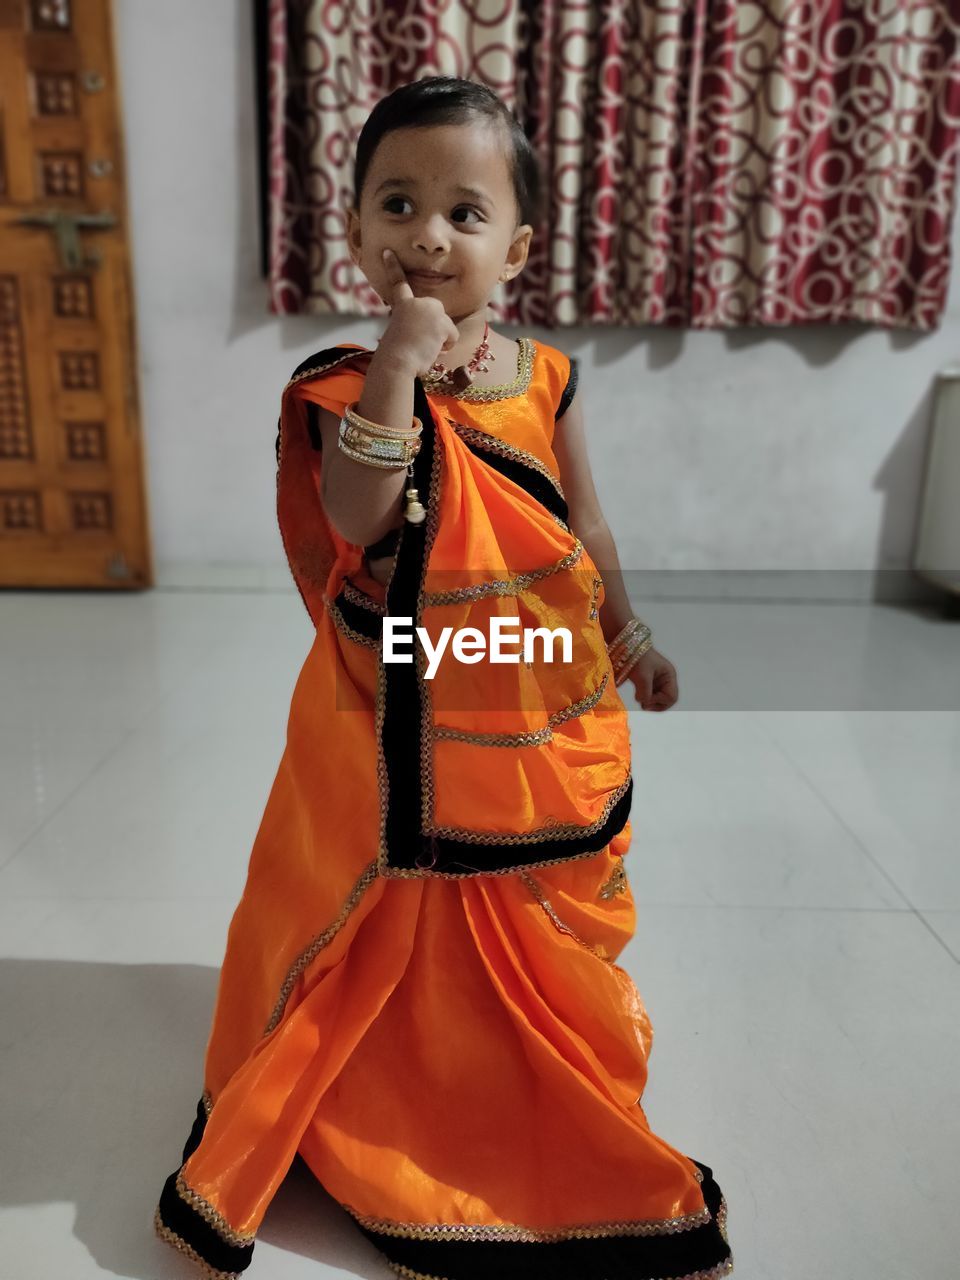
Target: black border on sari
569,389
188,1225
701,1250
527,477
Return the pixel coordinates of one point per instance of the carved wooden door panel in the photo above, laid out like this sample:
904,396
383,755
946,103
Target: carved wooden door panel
72,495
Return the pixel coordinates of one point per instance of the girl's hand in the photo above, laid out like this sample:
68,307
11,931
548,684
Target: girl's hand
655,680
419,328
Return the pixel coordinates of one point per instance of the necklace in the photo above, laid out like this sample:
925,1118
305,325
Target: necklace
441,378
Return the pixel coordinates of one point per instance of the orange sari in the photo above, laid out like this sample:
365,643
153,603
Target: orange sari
419,995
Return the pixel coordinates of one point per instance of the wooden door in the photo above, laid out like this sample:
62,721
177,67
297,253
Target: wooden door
72,495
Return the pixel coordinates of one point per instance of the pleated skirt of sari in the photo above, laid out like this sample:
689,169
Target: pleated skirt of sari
489,1118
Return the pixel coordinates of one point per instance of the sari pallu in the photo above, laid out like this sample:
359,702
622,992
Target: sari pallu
495,543
419,994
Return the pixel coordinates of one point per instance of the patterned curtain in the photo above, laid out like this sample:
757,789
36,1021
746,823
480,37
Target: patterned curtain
824,163
709,163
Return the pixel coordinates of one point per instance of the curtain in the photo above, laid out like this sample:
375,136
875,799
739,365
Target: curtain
824,156
708,163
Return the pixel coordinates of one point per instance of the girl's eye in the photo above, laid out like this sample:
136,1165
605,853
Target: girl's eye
403,199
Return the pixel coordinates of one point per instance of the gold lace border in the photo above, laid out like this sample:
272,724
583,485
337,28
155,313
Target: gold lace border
537,890
209,1214
495,586
178,1243
532,737
505,586
525,356
321,940
514,1233
484,440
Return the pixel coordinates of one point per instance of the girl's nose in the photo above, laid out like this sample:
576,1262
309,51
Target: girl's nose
432,235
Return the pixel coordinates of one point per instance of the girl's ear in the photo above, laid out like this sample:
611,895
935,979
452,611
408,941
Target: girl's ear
517,253
353,235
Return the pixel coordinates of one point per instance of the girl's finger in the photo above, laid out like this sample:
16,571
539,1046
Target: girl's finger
666,681
398,285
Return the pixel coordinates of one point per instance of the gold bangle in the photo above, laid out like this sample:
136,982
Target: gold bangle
386,445
626,658
361,433
391,449
640,642
627,647
378,429
388,464
626,634
379,455
623,671
623,633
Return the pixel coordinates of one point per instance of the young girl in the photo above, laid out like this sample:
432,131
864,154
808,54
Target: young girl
419,996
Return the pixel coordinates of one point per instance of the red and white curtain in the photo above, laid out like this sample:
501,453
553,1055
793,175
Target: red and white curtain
709,163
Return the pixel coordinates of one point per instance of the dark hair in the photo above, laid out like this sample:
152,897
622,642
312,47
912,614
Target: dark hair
437,100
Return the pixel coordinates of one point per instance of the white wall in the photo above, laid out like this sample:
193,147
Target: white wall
751,449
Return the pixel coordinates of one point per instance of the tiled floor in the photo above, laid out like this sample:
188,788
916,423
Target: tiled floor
797,881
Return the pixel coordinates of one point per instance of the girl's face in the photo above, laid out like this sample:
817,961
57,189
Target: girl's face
442,199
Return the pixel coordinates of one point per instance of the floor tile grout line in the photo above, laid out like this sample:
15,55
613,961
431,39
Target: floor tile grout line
865,850
64,800
926,923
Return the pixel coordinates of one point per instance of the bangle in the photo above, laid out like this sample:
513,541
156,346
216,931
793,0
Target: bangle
399,463
377,445
624,634
627,647
377,428
368,442
626,664
378,453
